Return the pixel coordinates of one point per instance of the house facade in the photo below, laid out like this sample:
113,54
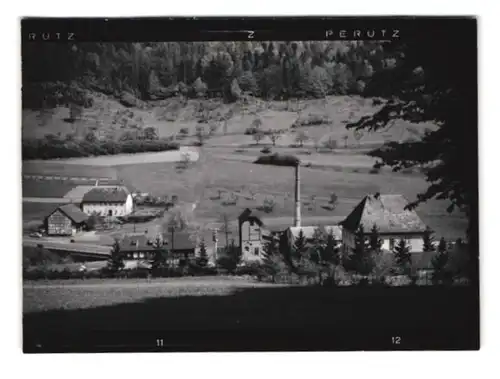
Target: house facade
392,220
65,220
143,247
108,201
253,235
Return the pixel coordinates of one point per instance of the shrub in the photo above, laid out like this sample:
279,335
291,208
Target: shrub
184,131
268,205
278,160
374,171
266,150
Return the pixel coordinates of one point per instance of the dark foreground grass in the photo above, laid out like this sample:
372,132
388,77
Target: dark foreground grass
228,318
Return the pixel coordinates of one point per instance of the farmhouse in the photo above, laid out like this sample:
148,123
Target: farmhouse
393,221
178,246
65,220
108,201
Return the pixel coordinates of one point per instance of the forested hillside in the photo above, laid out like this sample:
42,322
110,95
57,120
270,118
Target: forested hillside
55,74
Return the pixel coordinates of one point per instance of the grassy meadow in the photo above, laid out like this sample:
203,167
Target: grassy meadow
224,179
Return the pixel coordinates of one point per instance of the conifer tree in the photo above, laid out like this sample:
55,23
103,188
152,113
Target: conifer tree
402,256
202,254
375,242
299,245
428,240
116,262
439,263
331,251
361,260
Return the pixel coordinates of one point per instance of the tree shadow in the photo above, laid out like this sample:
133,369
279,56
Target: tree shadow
266,319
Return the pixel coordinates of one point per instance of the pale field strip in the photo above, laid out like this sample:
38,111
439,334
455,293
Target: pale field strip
129,159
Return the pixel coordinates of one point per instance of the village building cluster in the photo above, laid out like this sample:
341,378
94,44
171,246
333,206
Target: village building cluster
387,212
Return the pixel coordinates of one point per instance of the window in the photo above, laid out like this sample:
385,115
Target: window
256,251
141,255
110,212
135,255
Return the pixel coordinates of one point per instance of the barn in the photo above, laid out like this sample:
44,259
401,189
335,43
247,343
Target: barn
108,201
65,220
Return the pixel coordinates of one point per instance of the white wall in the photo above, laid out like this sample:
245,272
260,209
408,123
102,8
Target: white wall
416,242
118,209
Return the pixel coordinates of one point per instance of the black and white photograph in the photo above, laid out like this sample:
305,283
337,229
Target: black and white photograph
249,184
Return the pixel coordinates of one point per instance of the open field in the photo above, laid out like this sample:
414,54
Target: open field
47,188
127,159
224,180
172,306
239,181
57,167
37,211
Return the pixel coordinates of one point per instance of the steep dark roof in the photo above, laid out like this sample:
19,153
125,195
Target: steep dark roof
182,241
106,195
387,212
74,213
137,242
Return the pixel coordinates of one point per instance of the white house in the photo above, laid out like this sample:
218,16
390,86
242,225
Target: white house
108,201
393,222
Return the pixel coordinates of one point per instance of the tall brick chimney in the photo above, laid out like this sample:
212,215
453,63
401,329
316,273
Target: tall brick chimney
297,196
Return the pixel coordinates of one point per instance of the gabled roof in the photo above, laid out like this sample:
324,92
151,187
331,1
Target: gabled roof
387,212
74,213
106,194
182,241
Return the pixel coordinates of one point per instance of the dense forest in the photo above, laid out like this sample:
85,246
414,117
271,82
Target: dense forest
56,74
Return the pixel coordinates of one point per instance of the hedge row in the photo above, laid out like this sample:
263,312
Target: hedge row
191,269
278,160
50,147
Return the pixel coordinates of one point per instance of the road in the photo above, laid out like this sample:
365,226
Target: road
76,247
